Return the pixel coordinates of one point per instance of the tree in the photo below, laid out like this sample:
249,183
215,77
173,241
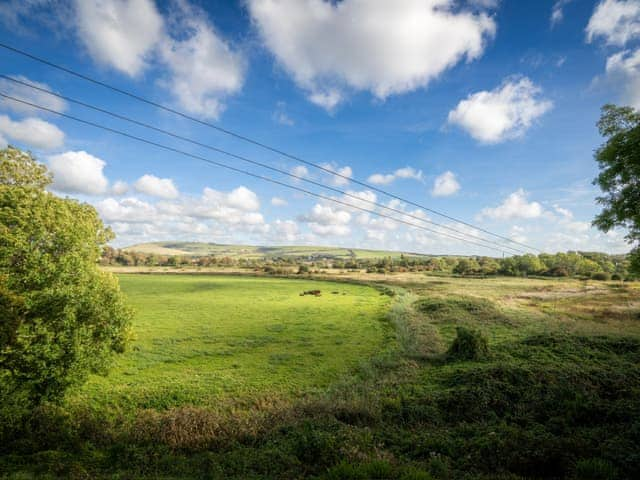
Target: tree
619,177
62,317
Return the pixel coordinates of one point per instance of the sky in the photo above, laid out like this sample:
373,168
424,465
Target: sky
484,110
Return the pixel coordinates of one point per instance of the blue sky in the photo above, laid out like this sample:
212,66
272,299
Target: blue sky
481,109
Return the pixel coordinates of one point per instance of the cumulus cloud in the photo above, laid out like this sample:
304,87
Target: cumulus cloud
325,220
286,230
33,132
445,185
504,113
403,173
30,95
515,205
127,210
300,171
623,72
119,188
204,67
393,48
615,21
78,172
119,33
156,187
278,202
342,172
131,35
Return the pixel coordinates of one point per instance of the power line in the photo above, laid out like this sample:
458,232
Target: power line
239,170
253,142
248,160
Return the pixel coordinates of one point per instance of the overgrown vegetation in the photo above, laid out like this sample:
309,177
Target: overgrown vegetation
557,396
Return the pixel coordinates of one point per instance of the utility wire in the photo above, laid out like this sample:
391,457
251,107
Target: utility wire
252,141
239,170
248,160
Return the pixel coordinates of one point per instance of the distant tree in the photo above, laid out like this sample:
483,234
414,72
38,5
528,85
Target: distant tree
619,177
62,317
467,266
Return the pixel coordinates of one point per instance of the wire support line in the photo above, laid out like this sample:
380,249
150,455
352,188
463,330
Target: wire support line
244,172
255,142
257,163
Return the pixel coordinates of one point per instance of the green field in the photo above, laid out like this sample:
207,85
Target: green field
200,339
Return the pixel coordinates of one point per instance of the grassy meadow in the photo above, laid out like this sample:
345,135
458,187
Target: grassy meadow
202,339
437,378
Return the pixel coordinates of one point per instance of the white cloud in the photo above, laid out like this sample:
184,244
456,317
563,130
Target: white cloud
342,172
286,230
616,21
515,205
300,171
204,68
78,172
278,202
119,33
324,220
557,11
32,132
119,188
243,199
392,48
30,95
156,187
127,210
445,184
623,71
504,113
404,173
3,142
280,115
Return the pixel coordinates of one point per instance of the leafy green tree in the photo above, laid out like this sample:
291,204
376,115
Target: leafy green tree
619,177
61,316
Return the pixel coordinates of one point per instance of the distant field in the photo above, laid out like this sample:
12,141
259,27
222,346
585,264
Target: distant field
199,339
248,251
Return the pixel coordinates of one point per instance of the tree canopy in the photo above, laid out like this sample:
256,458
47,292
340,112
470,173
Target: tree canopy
62,317
619,177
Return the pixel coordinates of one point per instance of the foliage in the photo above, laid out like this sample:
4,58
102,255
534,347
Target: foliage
619,177
62,316
468,345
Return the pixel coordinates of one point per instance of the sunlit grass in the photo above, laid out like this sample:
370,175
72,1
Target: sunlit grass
199,339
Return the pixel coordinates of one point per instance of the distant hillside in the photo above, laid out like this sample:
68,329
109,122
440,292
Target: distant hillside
248,251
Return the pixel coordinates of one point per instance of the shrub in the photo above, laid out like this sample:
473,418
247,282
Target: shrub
616,276
595,469
602,276
469,344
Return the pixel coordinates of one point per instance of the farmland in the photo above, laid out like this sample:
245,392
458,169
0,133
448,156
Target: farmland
222,382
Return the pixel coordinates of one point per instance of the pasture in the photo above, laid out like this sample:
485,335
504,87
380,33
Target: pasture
202,339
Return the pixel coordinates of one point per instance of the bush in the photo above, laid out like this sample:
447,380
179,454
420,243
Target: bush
617,276
602,276
595,469
468,345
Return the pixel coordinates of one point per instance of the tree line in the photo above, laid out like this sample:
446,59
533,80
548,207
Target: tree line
570,264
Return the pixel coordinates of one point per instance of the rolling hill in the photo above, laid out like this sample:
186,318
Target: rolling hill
249,251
